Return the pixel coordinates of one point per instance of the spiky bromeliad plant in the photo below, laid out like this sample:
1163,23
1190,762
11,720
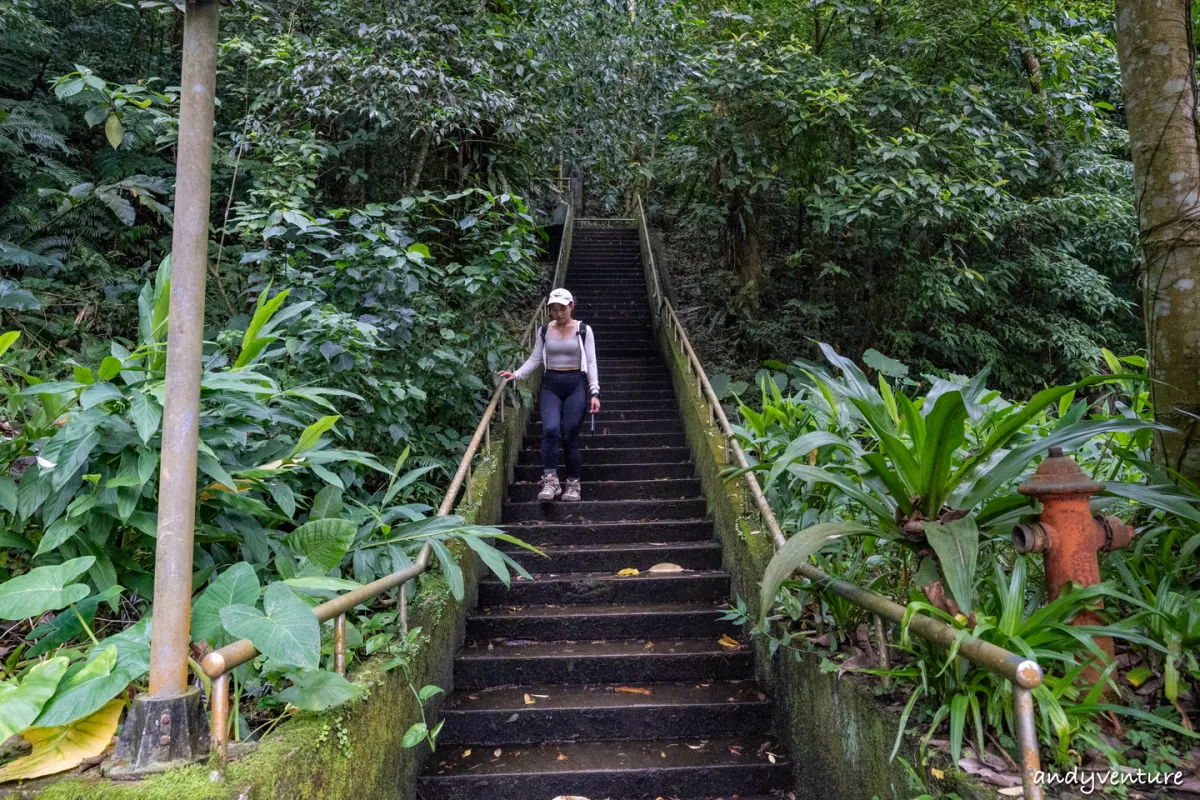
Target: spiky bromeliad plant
929,471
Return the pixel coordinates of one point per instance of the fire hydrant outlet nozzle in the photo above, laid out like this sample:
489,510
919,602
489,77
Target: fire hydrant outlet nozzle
1031,538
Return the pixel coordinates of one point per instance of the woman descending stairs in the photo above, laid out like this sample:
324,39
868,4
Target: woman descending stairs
584,682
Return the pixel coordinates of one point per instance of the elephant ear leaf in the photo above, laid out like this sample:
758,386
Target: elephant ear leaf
84,690
796,551
66,746
287,633
237,585
20,703
44,589
318,690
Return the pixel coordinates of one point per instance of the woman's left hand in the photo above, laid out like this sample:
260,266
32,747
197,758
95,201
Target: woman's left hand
595,407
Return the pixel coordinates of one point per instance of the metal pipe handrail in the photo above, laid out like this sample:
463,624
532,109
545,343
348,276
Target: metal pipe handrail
218,664
1025,674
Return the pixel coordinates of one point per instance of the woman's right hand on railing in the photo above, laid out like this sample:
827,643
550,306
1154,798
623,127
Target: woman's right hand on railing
508,376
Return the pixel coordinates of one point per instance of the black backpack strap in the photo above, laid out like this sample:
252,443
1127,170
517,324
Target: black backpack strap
545,328
583,329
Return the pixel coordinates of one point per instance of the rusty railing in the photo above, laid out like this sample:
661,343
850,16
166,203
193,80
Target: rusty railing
1024,674
218,664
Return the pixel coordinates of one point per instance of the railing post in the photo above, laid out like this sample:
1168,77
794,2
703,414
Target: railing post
1031,762
167,726
339,644
220,718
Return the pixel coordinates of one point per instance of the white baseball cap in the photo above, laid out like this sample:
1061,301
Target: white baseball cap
560,296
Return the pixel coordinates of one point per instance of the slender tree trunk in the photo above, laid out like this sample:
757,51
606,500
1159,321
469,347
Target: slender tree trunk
1049,123
745,247
1158,72
415,178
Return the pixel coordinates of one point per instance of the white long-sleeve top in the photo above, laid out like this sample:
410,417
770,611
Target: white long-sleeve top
587,357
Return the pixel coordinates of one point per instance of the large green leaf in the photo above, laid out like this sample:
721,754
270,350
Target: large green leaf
957,546
318,690
945,428
20,703
312,434
287,633
324,542
799,448
66,626
133,648
326,504
84,690
797,550
862,495
147,415
237,585
44,589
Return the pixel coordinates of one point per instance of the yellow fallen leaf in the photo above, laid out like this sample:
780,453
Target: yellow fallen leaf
648,646
561,757
66,746
937,773
1012,791
632,690
727,641
666,567
529,700
661,753
466,752
629,571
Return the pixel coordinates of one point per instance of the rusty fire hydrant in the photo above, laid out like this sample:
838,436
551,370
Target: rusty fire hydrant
1067,534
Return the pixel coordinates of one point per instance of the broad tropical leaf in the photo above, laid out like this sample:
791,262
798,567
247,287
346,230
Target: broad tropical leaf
62,748
20,703
44,589
957,546
797,550
237,585
324,542
287,633
84,689
317,690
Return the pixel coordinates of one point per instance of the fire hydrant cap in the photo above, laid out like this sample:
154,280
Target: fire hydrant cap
1058,474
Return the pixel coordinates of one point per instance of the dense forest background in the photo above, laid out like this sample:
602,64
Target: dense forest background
946,182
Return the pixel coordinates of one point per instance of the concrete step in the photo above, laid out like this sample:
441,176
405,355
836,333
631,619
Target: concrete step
531,473
599,441
566,533
598,712
643,621
606,426
633,770
604,510
612,558
591,588
702,660
531,455
628,415
669,489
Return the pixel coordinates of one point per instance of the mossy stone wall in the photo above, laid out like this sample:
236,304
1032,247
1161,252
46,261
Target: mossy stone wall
838,736
354,751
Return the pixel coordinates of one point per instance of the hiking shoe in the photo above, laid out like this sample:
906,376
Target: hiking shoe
551,488
571,494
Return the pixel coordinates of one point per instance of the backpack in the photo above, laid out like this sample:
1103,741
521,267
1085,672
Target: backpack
581,333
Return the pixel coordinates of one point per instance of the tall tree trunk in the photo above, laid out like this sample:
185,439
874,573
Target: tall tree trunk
1158,72
742,235
414,179
1049,123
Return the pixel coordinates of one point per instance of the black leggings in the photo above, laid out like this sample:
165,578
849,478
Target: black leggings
563,400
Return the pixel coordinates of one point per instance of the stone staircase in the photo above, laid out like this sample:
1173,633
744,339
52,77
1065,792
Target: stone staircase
583,682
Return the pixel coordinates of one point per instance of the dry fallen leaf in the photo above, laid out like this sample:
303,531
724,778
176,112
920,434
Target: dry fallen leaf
666,567
466,752
1012,791
629,571
771,757
727,641
648,645
570,797
937,773
561,757
661,753
497,753
529,700
697,746
632,690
